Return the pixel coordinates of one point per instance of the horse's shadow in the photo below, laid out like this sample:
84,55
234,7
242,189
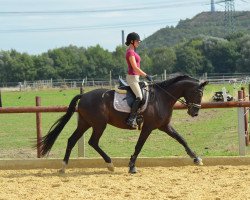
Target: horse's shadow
55,173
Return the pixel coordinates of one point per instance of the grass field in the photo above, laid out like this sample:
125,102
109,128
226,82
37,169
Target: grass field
212,133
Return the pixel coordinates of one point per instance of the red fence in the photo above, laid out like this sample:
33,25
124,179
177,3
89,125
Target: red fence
241,103
35,109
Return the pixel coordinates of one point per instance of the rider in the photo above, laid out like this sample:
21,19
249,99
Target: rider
134,72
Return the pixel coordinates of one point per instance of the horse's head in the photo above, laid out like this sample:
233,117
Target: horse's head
193,96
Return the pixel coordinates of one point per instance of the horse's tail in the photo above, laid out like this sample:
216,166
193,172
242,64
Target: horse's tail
49,139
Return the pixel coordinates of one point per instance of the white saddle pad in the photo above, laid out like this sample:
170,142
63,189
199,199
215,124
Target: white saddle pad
120,104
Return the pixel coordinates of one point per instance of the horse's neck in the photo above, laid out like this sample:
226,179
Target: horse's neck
174,92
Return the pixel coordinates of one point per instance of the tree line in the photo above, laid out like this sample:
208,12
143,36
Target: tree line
195,56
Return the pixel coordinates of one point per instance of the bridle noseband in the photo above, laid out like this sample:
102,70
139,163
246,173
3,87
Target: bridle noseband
193,105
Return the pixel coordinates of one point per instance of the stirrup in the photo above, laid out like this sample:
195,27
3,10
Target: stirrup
132,123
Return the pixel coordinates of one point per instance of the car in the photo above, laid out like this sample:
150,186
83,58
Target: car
218,96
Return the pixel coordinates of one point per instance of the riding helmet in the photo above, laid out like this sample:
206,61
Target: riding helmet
131,37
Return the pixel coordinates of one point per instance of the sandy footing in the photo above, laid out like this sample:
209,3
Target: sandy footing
187,182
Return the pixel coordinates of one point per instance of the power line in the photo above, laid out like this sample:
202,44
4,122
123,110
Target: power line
119,9
81,28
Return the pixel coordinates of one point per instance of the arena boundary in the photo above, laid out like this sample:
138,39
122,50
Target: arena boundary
10,164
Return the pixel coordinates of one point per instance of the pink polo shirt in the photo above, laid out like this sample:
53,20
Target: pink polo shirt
131,52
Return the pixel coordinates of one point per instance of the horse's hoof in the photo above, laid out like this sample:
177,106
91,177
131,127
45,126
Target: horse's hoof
111,167
132,170
198,161
61,171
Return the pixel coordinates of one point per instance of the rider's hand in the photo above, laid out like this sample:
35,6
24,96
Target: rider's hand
149,78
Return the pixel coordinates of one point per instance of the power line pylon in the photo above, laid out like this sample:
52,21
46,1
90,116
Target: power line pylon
229,18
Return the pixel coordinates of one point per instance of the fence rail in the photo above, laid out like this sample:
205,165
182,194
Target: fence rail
35,109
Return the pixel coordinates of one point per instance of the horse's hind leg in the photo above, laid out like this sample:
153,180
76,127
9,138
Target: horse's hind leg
81,128
174,134
94,142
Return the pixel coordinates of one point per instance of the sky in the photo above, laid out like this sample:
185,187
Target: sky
35,26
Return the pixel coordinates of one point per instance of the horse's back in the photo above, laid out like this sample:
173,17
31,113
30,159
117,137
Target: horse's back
94,103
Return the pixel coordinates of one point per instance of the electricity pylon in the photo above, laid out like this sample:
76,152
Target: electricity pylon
229,16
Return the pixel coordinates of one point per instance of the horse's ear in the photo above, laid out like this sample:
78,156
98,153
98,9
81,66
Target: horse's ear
203,84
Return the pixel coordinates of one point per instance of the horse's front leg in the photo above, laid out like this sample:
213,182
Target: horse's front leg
174,134
142,139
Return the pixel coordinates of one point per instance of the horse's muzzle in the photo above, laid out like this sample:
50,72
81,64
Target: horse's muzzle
193,109
193,112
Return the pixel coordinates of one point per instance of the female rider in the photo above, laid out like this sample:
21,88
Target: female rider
134,72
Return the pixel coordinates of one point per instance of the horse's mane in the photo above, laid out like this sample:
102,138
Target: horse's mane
176,79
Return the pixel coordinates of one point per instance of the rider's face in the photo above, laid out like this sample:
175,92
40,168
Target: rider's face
136,43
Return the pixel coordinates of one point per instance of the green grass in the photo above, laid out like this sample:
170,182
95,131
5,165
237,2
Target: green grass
212,133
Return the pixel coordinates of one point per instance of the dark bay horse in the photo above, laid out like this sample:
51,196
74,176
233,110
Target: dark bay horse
96,110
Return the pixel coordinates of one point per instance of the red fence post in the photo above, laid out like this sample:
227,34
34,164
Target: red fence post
38,127
249,106
245,117
241,126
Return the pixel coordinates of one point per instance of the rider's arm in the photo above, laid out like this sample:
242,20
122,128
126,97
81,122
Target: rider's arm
134,66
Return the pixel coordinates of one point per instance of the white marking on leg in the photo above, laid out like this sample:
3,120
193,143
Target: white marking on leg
62,170
111,167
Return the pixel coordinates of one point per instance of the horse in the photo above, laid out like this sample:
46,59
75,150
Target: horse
96,110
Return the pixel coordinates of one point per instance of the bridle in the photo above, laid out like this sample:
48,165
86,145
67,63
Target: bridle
187,104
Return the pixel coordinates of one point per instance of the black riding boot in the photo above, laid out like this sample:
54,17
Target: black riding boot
131,121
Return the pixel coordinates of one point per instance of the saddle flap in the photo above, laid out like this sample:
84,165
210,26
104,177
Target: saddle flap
124,98
122,101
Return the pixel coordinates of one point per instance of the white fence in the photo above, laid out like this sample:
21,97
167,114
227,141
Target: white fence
74,83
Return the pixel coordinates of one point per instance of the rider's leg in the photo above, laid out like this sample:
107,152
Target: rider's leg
131,121
133,82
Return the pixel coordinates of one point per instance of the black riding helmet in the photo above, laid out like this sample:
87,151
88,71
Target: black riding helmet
131,37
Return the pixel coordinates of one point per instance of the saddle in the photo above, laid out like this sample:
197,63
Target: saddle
124,97
130,96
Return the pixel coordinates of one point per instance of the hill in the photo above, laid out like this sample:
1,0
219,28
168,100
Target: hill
205,23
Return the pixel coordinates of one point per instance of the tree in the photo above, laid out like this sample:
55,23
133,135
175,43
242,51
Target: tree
100,62
120,64
189,60
222,54
163,59
4,59
45,67
243,61
68,62
17,67
146,62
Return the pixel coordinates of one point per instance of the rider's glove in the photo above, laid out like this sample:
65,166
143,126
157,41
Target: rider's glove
149,78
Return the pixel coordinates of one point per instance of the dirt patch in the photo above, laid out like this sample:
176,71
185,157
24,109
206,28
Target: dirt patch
190,182
18,153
